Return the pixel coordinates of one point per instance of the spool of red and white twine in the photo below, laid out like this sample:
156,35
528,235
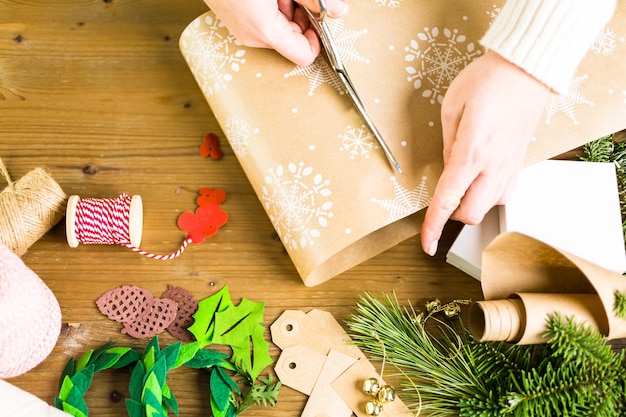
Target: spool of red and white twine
112,221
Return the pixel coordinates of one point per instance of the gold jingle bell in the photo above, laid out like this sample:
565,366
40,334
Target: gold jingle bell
433,305
373,408
452,310
371,386
386,394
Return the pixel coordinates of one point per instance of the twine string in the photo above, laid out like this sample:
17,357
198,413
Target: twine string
107,221
29,208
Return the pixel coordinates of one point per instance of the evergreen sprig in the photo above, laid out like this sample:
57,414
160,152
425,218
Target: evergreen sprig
607,149
446,372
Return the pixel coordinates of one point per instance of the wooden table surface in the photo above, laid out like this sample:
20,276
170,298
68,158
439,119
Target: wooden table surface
98,92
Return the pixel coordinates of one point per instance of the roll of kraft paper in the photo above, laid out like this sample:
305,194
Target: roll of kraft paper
30,317
521,319
19,403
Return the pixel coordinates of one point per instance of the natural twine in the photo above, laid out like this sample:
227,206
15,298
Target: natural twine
29,208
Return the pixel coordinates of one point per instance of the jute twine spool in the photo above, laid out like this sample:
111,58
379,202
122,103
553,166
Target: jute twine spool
29,208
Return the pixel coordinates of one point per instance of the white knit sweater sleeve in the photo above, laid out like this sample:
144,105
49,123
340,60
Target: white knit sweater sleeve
548,38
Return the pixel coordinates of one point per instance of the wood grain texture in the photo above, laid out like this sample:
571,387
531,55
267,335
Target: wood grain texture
98,92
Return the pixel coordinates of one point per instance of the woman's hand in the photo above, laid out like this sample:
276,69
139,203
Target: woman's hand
488,116
275,24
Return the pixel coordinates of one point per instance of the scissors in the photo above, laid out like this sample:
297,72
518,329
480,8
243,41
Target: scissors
332,52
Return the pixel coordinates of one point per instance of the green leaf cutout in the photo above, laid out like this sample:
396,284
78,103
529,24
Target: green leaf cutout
205,317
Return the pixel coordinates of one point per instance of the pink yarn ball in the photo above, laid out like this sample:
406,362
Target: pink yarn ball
30,317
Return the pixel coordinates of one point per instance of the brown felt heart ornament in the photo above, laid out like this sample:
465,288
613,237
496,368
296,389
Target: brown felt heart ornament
187,306
161,314
125,304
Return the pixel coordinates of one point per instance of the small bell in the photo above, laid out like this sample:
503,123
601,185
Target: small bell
451,310
433,305
371,386
386,394
373,408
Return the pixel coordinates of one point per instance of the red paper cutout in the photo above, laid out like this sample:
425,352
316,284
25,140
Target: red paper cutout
203,223
210,196
211,146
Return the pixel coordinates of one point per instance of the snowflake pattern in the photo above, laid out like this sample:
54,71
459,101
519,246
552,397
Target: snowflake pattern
405,202
605,42
297,202
319,72
435,64
388,3
214,54
493,13
565,103
358,142
237,132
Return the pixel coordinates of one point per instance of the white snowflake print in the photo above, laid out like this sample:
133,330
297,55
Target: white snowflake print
388,3
319,72
237,132
493,13
358,142
605,42
565,103
297,202
213,54
437,56
405,202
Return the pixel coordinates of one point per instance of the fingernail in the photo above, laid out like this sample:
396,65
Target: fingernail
338,9
432,251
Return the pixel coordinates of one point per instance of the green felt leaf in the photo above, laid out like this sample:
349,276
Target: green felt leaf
170,354
152,411
152,403
231,383
83,361
220,389
204,318
134,408
105,347
169,399
130,356
154,344
66,387
135,385
68,408
186,353
234,325
260,352
82,380
160,371
148,358
216,411
151,390
205,358
77,401
68,371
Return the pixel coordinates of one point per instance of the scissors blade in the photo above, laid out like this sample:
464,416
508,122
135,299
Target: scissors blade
332,52
356,101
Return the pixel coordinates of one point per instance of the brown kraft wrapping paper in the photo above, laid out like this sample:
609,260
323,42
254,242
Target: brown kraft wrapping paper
322,179
524,280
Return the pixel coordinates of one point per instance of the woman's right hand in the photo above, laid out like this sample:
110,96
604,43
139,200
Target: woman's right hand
275,24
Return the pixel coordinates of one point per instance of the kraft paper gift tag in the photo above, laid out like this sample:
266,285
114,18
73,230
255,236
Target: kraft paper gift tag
524,280
317,170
